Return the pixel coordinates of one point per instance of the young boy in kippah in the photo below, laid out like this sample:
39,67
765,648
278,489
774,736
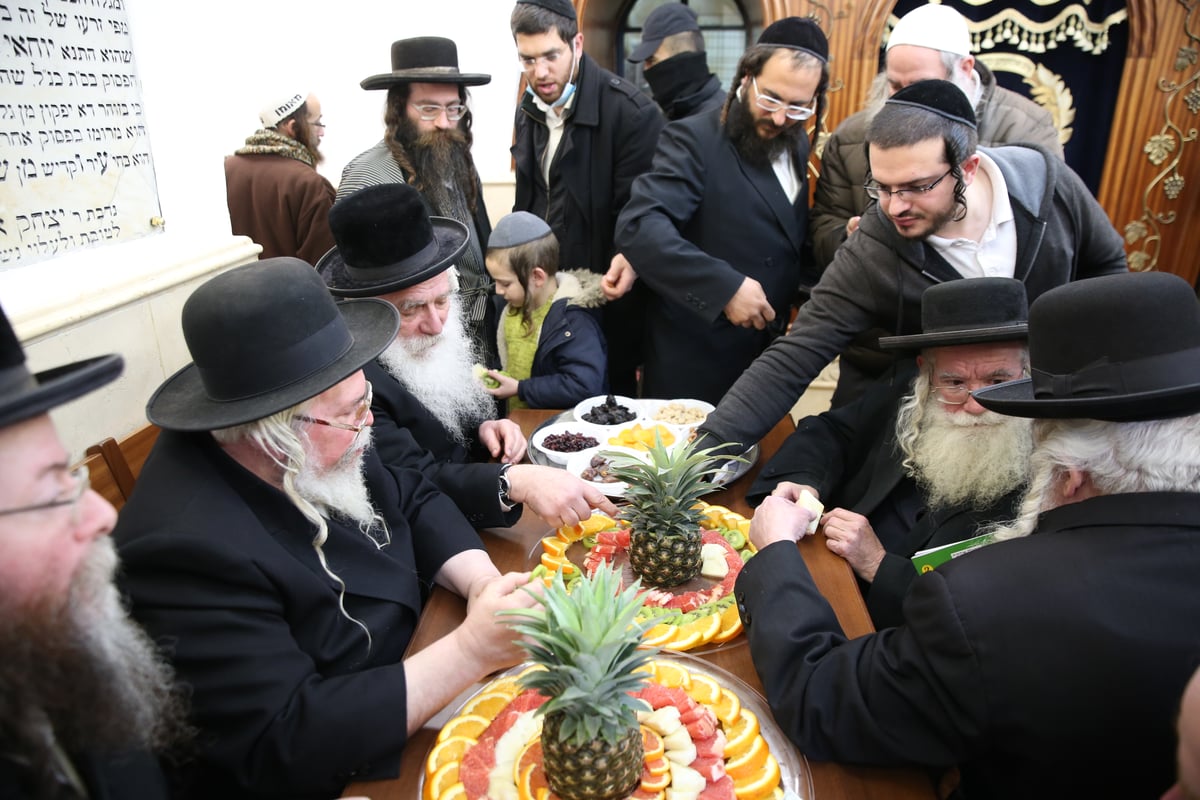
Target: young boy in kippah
551,348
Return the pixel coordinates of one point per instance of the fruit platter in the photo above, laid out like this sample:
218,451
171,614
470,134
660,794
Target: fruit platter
699,614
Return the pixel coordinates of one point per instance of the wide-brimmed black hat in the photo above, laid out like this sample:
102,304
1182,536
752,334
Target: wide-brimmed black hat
265,337
968,311
425,59
24,395
386,241
666,20
1120,348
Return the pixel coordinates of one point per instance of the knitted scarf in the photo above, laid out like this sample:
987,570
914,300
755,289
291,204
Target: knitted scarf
266,142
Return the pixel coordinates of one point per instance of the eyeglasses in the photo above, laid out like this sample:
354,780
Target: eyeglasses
875,191
431,111
957,394
82,484
360,416
528,63
773,105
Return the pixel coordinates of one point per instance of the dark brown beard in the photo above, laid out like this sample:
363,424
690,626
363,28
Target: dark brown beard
742,131
442,167
58,675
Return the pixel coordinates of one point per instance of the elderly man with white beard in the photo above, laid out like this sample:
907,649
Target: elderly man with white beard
281,563
84,697
431,412
906,469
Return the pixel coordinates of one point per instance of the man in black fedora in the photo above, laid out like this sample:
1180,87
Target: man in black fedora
427,143
674,62
717,229
582,135
916,463
84,697
430,409
1048,664
278,561
947,209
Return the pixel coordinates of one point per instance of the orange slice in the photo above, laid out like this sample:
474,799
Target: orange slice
716,515
445,777
468,726
761,785
558,563
595,523
656,783
683,641
555,546
728,709
489,704
455,792
448,751
707,627
671,675
749,762
740,735
731,624
659,766
652,745
659,635
704,689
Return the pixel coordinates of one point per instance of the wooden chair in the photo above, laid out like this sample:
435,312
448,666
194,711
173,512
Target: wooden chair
124,459
102,478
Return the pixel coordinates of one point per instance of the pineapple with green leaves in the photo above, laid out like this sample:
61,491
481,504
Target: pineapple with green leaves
664,548
588,643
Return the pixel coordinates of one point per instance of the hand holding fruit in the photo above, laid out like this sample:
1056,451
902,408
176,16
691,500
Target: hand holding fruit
486,641
779,520
556,495
505,388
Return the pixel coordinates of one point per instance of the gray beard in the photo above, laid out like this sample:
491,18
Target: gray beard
82,673
438,372
341,489
963,460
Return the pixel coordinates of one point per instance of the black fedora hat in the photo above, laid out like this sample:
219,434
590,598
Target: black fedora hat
265,337
425,59
1120,348
386,241
968,311
24,395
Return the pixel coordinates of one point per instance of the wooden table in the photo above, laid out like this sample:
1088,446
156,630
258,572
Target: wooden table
511,547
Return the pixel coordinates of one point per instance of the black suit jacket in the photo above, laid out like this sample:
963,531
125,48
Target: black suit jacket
696,225
1046,667
128,776
850,456
407,436
291,696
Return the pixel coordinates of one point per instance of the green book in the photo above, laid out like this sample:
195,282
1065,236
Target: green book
934,557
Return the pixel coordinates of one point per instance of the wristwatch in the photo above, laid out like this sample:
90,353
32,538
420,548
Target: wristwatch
505,487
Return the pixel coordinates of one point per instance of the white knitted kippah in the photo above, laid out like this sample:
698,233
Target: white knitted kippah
936,27
280,109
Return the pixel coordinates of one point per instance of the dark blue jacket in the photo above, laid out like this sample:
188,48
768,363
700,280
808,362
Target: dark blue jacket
569,364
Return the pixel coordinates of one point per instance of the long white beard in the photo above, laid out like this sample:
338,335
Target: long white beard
342,488
963,459
438,371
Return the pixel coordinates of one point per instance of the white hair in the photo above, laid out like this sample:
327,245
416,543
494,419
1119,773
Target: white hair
1118,457
283,437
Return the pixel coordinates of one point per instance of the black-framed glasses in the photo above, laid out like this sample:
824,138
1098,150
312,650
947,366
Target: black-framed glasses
431,111
875,191
82,484
360,416
773,105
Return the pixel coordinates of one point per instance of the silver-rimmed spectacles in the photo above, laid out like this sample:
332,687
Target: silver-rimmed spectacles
428,112
82,484
360,416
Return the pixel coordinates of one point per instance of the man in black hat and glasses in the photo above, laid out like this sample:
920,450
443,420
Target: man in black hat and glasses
717,228
84,696
1048,664
430,408
427,143
946,210
918,464
582,134
281,563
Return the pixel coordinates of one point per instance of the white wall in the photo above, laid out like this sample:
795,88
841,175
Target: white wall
206,69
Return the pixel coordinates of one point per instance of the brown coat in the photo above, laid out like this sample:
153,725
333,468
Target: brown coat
281,203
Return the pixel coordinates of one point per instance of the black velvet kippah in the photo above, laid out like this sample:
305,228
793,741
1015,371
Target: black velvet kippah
798,33
941,97
563,8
